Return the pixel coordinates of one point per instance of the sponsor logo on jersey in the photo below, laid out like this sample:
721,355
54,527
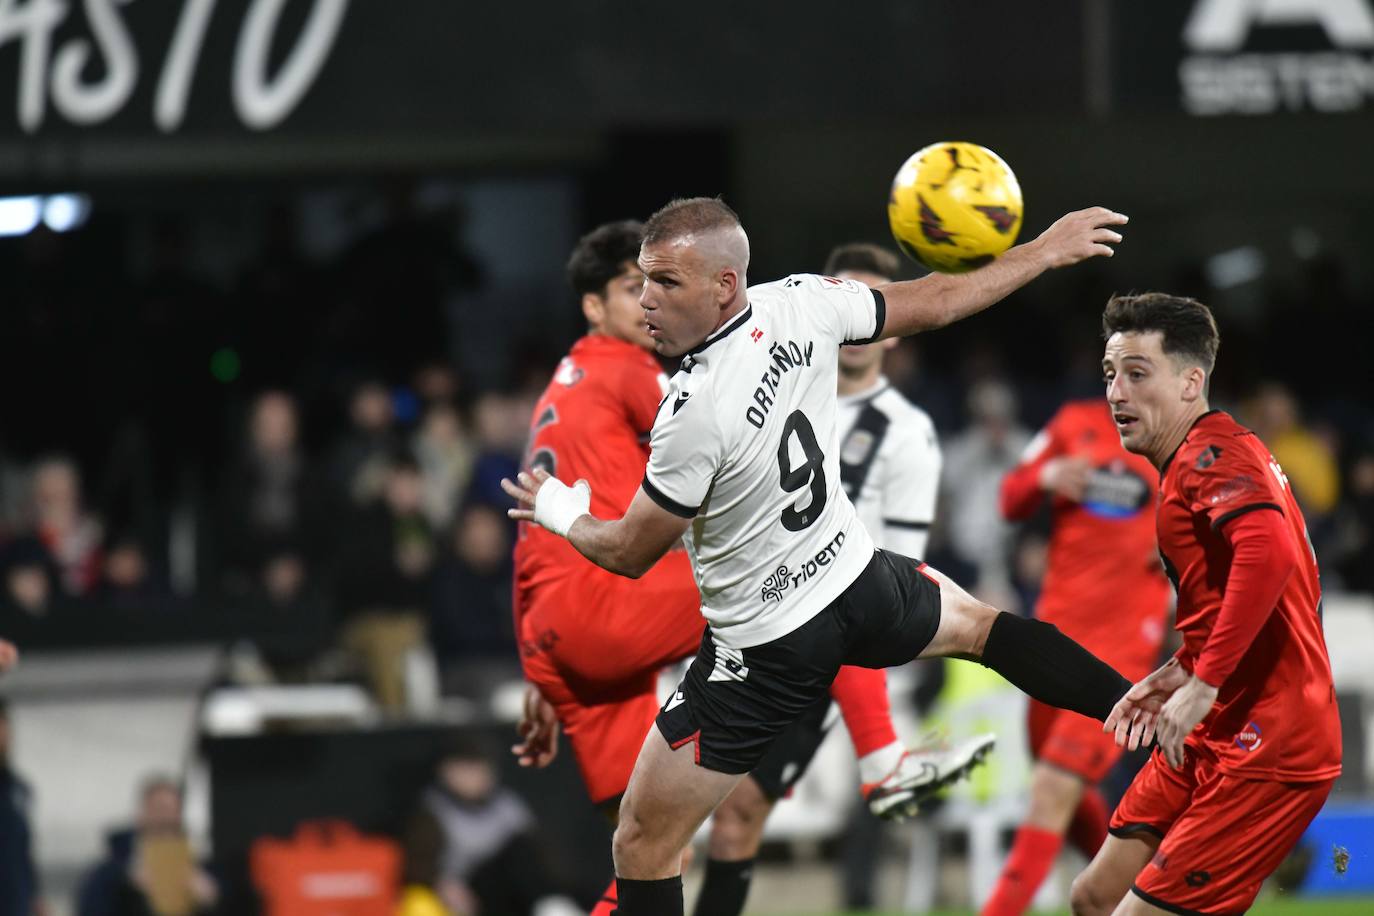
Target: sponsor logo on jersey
783,357
784,578
682,397
1115,492
755,335
1208,457
569,373
676,700
856,447
1197,878
729,665
1234,489
1250,737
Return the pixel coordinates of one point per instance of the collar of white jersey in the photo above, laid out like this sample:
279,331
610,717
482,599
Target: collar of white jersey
860,398
720,333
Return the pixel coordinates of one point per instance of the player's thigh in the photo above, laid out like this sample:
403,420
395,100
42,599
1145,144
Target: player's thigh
964,620
668,798
1054,794
1218,852
890,613
1108,878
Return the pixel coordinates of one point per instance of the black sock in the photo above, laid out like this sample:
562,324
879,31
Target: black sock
662,897
725,888
1045,664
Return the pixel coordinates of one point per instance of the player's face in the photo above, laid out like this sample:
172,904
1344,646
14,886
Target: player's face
1146,389
680,298
617,313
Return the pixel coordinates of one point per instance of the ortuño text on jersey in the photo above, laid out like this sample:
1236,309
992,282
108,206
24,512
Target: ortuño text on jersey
784,358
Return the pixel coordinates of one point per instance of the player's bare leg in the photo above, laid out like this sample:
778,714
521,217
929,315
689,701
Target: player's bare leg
1035,656
1103,887
668,798
737,825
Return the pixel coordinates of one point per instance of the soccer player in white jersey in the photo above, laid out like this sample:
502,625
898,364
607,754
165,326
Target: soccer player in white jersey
890,470
744,468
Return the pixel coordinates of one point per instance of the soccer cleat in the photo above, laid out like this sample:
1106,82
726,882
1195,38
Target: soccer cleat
922,772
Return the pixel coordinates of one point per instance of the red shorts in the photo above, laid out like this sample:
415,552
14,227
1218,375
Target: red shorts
1222,835
1069,741
594,643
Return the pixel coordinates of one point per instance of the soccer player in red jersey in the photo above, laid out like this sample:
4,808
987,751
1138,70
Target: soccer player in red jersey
1104,589
1245,713
592,643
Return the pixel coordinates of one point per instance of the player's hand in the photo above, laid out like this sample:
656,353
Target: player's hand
9,656
1067,477
538,727
1185,709
1135,715
1080,235
547,501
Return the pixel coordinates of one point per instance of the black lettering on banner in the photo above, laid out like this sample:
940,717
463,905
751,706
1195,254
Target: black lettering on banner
811,471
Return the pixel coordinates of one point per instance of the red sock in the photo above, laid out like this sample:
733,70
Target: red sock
862,695
1032,856
1088,829
606,905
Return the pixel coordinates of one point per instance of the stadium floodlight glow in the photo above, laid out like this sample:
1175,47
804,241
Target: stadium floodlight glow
65,212
18,215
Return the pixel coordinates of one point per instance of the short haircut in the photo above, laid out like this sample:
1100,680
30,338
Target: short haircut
601,254
689,216
863,257
1188,329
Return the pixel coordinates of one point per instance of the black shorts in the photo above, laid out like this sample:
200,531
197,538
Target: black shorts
790,753
733,703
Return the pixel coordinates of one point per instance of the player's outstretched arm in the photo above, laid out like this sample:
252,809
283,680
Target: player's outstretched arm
940,299
628,546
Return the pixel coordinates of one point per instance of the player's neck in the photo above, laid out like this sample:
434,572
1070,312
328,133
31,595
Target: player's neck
1176,433
858,384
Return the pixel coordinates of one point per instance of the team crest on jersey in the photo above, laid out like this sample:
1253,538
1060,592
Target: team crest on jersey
857,445
729,665
568,374
1208,457
1249,738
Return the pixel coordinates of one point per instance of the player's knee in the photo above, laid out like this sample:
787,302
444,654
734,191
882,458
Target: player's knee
736,826
628,843
1088,898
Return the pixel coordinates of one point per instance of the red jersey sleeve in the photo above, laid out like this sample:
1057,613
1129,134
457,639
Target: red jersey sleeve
1021,494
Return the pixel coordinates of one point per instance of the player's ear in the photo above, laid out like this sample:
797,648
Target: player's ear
1194,383
593,309
727,282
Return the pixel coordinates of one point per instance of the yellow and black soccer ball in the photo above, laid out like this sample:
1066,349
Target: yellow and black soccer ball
955,206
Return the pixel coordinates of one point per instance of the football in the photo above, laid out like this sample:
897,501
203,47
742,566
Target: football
955,206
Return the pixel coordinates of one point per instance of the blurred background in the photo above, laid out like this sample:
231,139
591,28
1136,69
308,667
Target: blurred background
280,282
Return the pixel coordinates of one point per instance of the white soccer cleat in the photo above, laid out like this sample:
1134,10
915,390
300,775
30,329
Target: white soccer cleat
922,772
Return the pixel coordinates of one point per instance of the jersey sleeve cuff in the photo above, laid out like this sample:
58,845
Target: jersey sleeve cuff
1227,516
666,502
879,319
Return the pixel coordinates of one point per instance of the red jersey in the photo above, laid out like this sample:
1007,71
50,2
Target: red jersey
1275,716
592,422
1104,586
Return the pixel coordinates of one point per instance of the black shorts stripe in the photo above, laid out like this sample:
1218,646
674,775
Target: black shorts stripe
1244,509
666,502
1152,900
1127,830
909,526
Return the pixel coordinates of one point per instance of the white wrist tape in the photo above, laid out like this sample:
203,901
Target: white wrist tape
557,505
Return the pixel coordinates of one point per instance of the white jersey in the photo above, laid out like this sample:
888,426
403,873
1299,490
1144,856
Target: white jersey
746,444
890,466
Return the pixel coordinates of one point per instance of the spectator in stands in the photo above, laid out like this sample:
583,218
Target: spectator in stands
30,581
268,511
445,454
385,567
127,580
1307,460
358,464
148,869
1355,557
975,462
473,841
19,892
71,536
500,439
470,620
